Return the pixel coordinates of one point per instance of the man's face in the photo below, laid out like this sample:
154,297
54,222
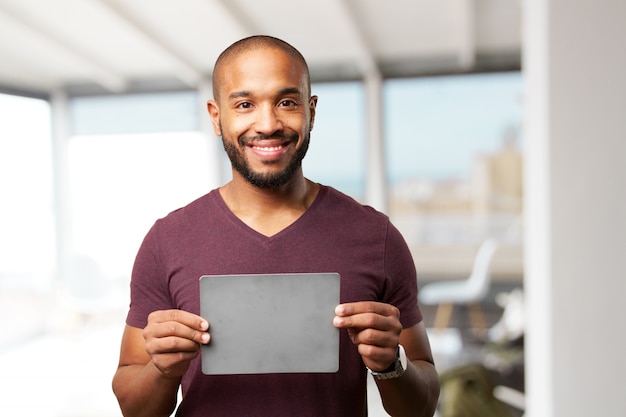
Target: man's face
264,114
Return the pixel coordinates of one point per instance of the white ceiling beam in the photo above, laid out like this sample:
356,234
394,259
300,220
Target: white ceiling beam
241,19
365,58
104,76
185,71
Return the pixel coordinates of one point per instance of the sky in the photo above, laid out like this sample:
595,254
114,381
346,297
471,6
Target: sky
433,126
436,125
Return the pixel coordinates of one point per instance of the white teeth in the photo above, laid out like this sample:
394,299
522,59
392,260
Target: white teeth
268,148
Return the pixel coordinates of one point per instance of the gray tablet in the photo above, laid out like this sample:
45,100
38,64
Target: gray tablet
270,323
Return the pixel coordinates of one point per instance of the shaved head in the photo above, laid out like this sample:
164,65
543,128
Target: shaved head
255,43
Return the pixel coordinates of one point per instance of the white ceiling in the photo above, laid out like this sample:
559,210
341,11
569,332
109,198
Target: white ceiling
95,46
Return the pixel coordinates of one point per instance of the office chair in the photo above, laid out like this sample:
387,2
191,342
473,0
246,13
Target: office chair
470,291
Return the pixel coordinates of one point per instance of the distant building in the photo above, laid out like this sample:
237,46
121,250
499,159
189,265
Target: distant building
497,179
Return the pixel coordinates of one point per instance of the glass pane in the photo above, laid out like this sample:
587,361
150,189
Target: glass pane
454,148
27,239
26,225
336,156
120,184
135,113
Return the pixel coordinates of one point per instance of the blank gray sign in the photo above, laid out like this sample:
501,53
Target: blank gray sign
270,323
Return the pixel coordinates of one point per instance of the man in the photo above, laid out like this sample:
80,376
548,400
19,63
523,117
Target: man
270,219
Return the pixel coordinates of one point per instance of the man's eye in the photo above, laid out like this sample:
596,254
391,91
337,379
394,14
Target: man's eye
288,103
244,105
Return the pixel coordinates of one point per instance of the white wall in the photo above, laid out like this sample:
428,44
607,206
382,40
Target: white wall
575,69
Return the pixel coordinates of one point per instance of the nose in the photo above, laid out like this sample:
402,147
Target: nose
268,120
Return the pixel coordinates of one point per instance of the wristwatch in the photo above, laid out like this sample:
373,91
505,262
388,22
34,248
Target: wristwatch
395,370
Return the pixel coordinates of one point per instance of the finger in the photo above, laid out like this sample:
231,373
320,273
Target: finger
374,337
168,360
368,321
361,307
180,316
171,344
173,364
173,328
377,358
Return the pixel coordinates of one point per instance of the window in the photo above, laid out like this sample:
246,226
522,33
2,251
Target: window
454,150
336,156
27,235
27,244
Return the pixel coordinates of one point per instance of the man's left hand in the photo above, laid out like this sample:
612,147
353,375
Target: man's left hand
375,328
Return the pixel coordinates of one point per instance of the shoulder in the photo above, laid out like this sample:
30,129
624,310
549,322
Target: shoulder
345,205
347,210
185,219
197,208
340,214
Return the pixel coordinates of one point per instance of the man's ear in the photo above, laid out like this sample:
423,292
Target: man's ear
214,112
312,106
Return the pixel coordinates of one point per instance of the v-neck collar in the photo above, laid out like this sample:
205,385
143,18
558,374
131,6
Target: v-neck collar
294,225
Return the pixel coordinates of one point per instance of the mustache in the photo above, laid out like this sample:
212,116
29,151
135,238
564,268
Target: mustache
287,137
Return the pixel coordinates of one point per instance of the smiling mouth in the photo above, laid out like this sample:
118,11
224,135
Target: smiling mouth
271,151
268,143
271,147
268,148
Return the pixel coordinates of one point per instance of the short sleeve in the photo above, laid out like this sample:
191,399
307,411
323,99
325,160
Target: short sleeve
401,288
149,290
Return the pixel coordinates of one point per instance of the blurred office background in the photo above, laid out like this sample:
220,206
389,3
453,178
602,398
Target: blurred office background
466,121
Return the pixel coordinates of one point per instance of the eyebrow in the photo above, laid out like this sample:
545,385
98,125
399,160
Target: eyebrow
282,92
239,94
290,90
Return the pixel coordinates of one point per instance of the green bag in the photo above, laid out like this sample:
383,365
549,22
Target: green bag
468,392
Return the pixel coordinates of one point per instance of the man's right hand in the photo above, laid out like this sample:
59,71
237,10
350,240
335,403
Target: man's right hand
173,338
154,359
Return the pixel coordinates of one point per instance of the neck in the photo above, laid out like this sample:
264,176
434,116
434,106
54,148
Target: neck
269,210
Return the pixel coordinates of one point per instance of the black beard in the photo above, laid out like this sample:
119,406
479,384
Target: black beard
266,181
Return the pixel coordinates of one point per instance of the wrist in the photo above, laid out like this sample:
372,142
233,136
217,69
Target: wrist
395,370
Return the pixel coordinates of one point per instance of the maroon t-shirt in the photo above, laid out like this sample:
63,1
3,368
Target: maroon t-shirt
336,234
